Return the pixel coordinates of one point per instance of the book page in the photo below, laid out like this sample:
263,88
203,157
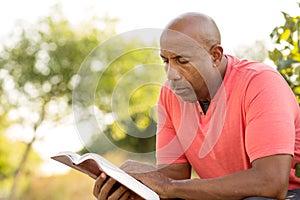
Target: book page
87,166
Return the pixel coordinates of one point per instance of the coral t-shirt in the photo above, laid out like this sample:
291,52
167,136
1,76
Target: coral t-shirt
253,115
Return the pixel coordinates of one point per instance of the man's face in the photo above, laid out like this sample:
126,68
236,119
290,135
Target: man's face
187,66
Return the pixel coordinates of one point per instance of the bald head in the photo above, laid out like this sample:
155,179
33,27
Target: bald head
199,27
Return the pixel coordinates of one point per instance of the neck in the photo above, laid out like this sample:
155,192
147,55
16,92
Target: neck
223,66
216,84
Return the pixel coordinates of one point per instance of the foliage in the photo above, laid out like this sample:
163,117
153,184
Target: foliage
9,160
286,54
135,93
126,91
37,75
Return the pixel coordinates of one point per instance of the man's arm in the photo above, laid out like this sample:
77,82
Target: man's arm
268,177
176,171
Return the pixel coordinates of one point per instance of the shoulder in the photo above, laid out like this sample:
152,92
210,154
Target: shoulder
257,79
247,71
244,65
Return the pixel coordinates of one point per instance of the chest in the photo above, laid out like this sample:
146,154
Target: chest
215,139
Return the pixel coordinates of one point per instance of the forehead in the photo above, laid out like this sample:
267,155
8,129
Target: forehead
178,43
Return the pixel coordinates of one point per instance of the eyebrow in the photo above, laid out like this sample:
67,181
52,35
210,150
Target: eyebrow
162,56
175,57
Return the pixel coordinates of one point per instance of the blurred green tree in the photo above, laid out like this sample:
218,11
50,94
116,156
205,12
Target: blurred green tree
41,68
286,53
9,161
37,74
127,93
122,83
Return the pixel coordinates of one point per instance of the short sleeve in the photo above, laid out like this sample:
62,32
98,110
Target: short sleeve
271,110
168,147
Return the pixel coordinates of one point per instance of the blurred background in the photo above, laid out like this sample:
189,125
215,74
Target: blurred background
50,49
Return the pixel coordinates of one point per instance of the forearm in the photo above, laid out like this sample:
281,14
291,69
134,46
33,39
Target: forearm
268,177
176,171
235,186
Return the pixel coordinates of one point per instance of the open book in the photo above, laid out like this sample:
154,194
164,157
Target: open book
93,164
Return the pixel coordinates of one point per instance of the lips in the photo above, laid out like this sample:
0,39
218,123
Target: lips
180,91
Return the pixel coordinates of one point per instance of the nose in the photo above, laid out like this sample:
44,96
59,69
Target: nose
172,74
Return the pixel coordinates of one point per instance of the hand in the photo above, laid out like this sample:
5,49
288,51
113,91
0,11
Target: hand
131,166
149,176
108,188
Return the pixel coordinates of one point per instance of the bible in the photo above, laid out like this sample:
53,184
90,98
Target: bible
93,164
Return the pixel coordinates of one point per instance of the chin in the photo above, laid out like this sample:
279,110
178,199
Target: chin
189,99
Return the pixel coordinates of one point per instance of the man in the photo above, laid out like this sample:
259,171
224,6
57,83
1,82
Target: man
235,122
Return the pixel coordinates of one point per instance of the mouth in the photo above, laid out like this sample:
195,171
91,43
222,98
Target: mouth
180,91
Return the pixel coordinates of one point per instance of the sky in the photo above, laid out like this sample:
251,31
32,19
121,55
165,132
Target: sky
241,22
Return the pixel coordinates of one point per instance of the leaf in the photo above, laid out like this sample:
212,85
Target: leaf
276,56
286,34
297,70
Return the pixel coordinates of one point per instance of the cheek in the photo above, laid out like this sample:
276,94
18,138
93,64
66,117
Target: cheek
193,77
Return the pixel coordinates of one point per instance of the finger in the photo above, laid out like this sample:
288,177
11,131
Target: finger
106,188
119,192
126,195
134,196
98,184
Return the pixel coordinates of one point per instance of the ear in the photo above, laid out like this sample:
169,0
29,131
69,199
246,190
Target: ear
216,52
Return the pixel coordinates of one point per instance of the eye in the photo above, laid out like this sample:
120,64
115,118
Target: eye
182,60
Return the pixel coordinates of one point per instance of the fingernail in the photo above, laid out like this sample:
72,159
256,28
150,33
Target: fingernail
103,175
